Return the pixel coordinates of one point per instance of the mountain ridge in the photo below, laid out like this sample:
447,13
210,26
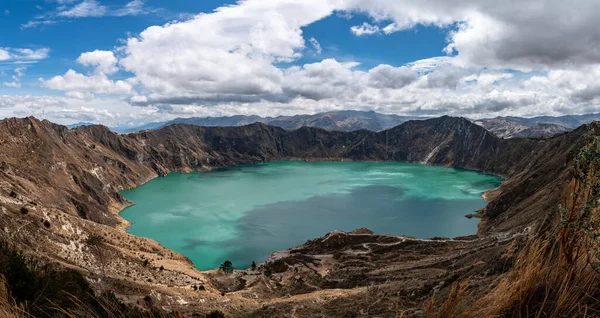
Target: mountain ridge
504,127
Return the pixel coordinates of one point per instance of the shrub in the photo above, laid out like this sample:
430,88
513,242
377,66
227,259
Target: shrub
227,267
215,314
24,210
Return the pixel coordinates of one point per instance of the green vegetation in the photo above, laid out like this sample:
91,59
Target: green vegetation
227,267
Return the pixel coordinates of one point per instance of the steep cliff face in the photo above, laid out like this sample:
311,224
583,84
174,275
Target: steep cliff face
71,178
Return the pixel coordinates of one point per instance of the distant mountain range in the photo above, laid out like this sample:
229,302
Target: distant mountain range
347,120
79,124
350,120
511,127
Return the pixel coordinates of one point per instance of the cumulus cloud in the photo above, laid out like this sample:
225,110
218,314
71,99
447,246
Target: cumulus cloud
446,77
501,58
77,85
509,34
28,101
387,76
235,59
66,110
80,86
104,61
323,80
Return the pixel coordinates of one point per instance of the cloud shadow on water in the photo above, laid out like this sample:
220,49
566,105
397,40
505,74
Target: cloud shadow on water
380,208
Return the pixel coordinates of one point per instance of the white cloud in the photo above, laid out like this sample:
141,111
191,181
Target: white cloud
323,80
543,33
36,23
386,76
16,83
20,71
12,84
316,45
66,10
87,8
134,7
104,61
81,86
23,54
228,54
364,29
28,101
4,55
539,58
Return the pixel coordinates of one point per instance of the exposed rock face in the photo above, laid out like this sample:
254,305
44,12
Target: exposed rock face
72,178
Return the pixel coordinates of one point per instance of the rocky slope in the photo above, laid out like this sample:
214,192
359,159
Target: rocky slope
70,179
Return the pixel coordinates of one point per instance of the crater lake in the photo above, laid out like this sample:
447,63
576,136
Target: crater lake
245,213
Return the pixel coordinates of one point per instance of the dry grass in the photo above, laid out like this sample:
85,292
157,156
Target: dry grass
541,284
110,308
557,273
452,306
8,307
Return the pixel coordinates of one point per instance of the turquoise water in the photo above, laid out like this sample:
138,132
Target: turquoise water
245,213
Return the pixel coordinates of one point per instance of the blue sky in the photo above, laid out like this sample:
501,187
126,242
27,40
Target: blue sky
68,38
130,62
